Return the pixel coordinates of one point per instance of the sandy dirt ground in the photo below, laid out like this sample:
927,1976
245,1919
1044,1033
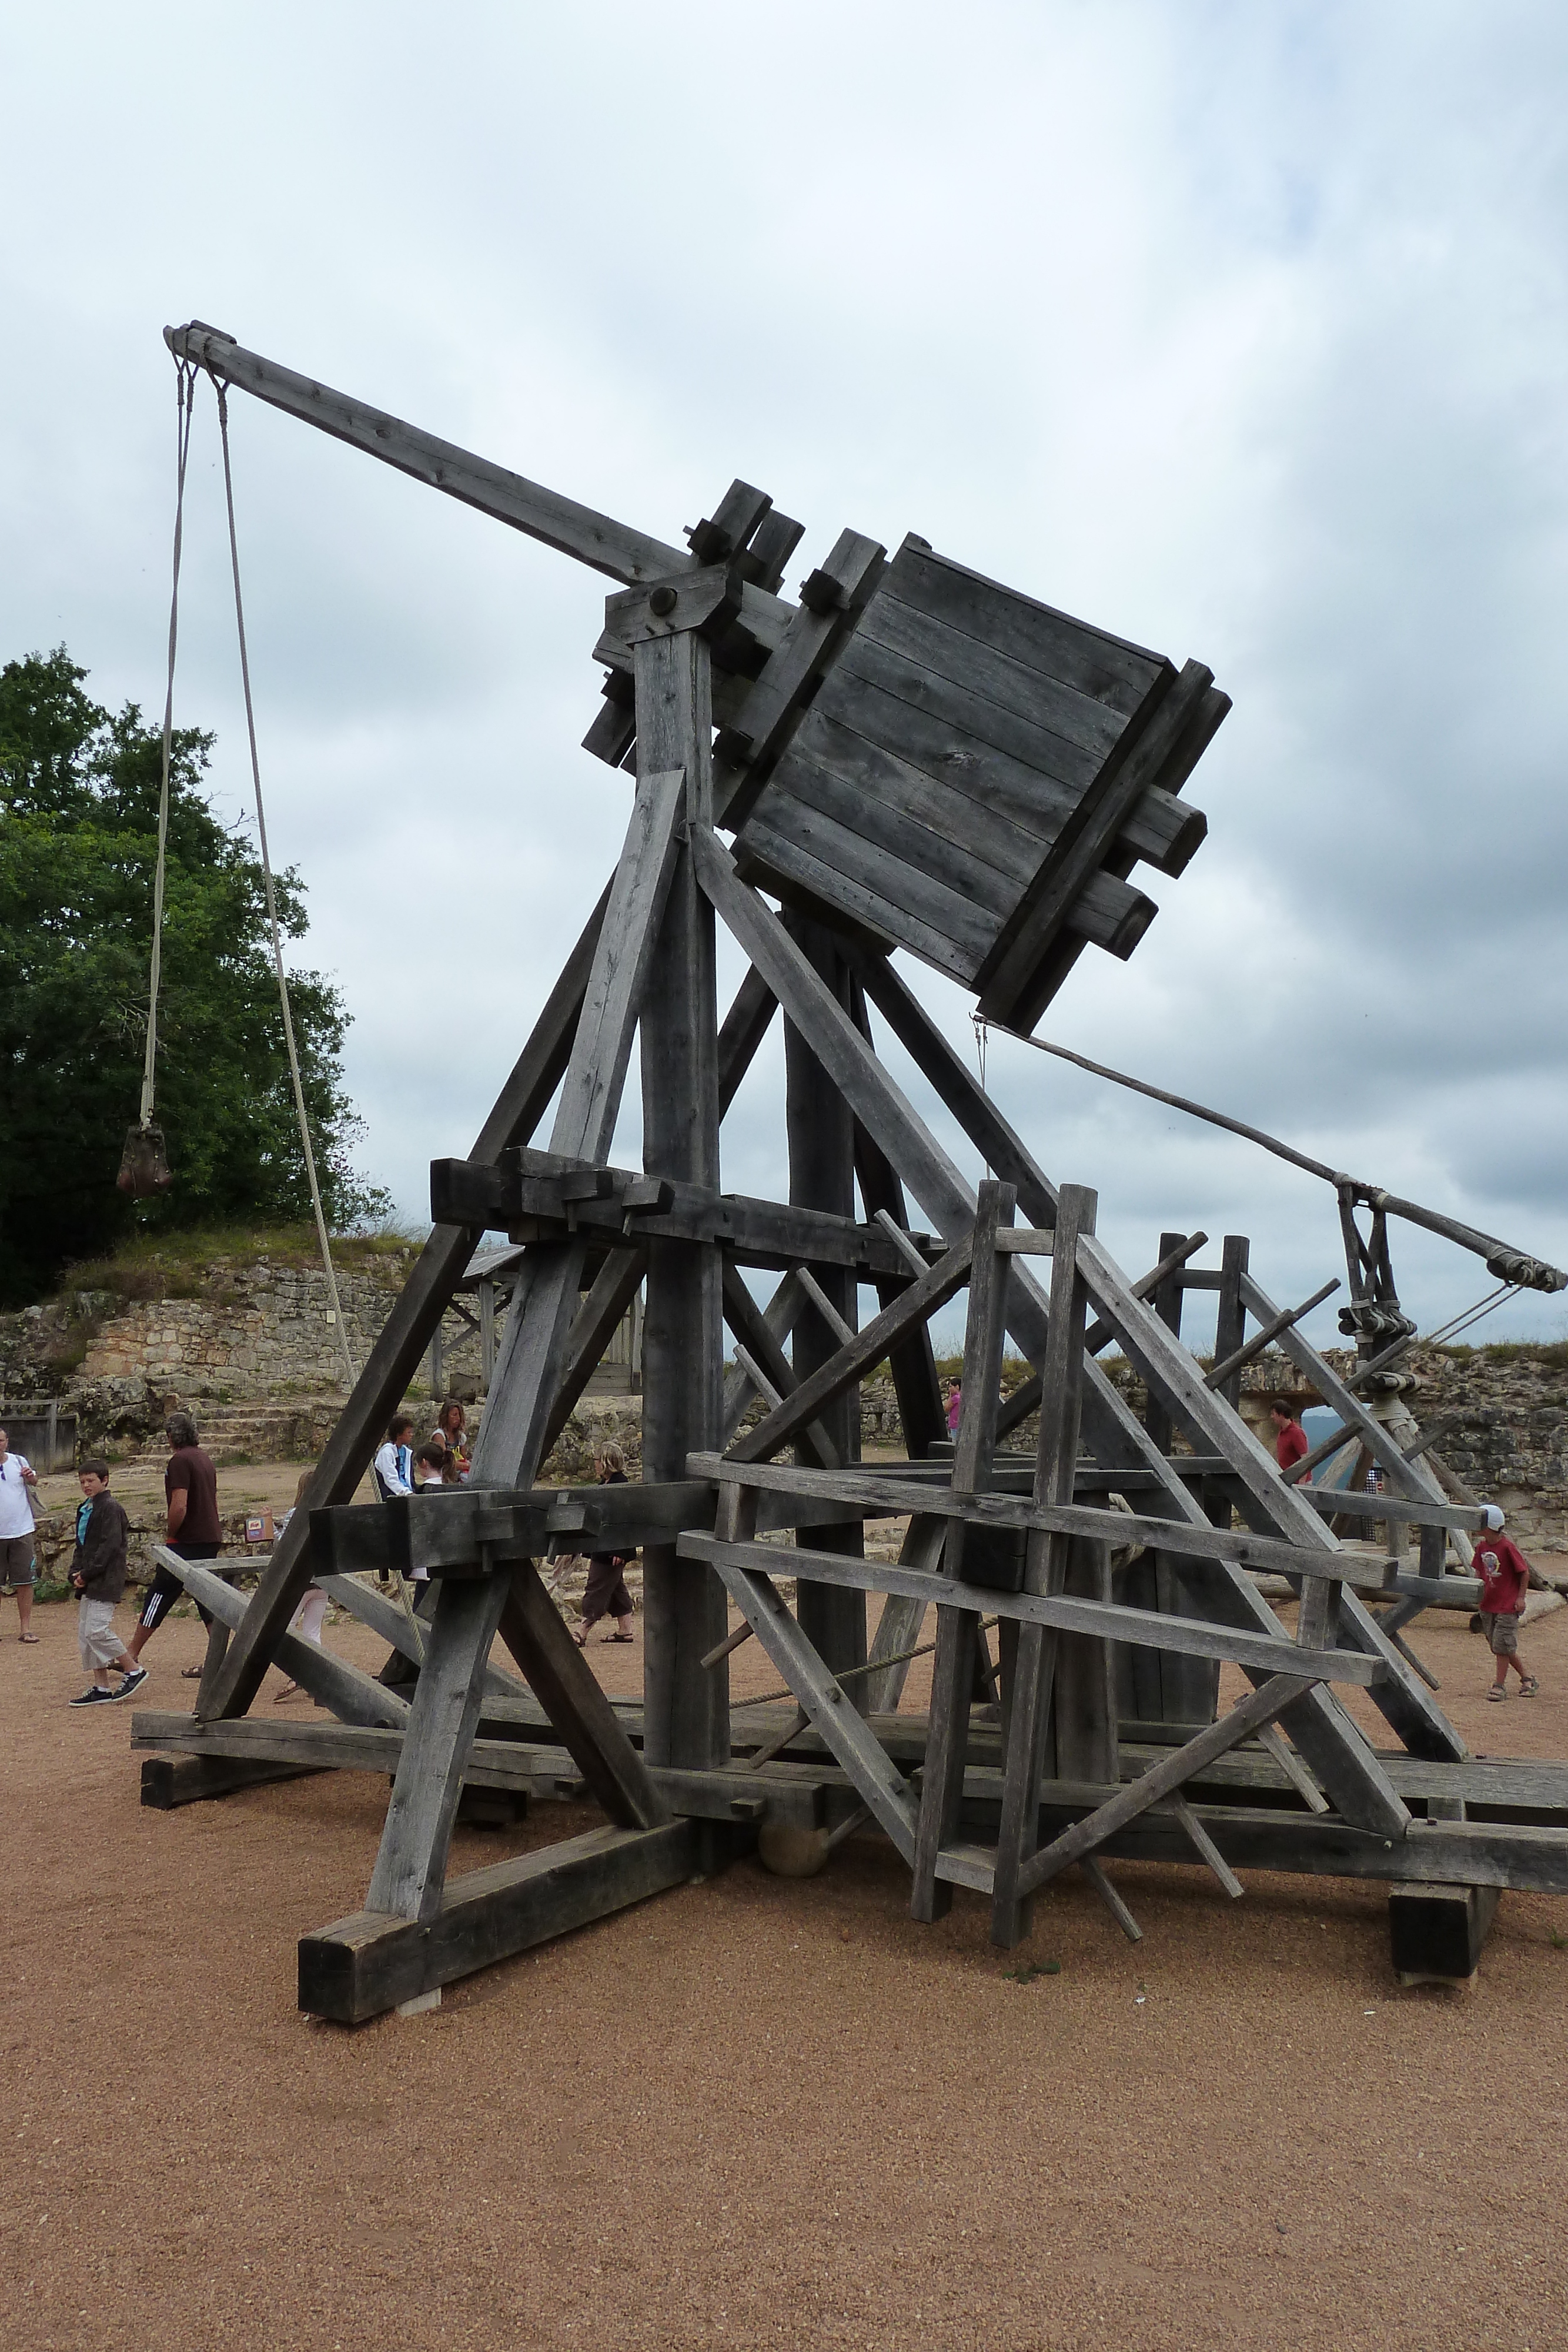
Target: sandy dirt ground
752,2112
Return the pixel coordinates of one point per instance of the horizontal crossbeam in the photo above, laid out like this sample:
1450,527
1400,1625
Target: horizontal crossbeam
1112,1620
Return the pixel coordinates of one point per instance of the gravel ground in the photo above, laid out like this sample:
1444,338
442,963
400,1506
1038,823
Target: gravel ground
752,2112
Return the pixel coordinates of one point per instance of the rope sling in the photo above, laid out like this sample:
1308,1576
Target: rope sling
144,1168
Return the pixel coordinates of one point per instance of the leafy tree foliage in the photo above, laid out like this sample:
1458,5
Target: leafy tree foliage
78,825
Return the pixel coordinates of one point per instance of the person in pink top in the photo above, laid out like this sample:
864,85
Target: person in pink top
1504,1573
955,1409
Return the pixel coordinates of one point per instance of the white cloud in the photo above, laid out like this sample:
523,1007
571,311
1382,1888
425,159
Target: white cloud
1240,332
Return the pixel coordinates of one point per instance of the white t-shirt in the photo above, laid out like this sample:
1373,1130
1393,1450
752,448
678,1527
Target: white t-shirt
15,1505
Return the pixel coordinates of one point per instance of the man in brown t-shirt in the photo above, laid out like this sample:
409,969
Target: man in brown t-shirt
193,1527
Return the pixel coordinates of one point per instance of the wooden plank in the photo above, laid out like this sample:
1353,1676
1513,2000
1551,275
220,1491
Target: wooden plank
820,1133
1436,1933
1262,1705
352,1695
360,1966
753,1332
1335,1750
780,1316
1010,981
872,882
1000,759
1113,1620
411,1863
898,1627
1208,1851
171,1781
683,1341
595,1324
912,1363
596,540
566,1687
1026,1705
1068,654
403,1340
952,1673
763,723
916,1305
743,1027
845,1731
801,864
882,1490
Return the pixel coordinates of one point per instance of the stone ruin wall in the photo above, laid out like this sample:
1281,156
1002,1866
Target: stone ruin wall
257,1333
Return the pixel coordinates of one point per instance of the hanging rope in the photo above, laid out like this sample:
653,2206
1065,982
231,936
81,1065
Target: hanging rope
298,1083
185,405
144,1165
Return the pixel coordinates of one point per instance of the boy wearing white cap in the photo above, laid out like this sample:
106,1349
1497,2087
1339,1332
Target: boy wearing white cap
1504,1573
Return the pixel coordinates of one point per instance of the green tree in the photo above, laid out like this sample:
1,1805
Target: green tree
78,824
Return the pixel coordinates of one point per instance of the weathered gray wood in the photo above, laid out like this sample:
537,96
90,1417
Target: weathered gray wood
952,1673
1010,982
898,1627
171,1781
1258,1653
1320,1727
845,1731
1208,1851
352,1695
403,1340
1436,1933
566,1686
360,1966
596,540
1226,1371
411,1863
741,1033
1115,1903
820,1129
395,1626
755,1336
882,1490
763,723
952,755
1069,653
911,1362
683,1341
595,1324
913,1306
1262,1705
1046,1554
780,1316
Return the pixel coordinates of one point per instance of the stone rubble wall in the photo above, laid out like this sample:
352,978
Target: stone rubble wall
255,1333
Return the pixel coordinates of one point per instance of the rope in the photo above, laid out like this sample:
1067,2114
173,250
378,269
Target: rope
184,405
327,1265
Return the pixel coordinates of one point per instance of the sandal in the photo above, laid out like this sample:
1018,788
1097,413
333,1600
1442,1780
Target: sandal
581,1640
26,1637
1497,1694
190,1674
289,1690
620,1637
1528,1687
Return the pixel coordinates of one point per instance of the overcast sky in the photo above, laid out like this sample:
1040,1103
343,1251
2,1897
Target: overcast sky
1237,329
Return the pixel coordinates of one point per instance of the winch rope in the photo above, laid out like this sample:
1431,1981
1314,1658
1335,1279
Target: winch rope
327,1265
186,403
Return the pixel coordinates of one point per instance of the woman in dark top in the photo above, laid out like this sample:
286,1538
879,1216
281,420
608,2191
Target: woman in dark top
606,1595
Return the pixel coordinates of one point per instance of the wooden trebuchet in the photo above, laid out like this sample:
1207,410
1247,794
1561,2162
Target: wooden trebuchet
905,754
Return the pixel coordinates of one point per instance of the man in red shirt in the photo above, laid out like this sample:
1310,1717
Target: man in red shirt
1289,1437
1504,1573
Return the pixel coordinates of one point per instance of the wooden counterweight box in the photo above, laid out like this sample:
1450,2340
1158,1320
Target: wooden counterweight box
976,776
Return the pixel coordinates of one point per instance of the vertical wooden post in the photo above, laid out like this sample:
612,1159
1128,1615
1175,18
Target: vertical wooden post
1230,1328
1046,1563
821,1133
1166,1303
487,1333
953,1669
687,1710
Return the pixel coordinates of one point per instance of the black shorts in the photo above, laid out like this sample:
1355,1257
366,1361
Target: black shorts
166,1588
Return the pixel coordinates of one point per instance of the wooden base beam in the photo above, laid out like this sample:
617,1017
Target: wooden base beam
1436,1933
360,1966
171,1781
